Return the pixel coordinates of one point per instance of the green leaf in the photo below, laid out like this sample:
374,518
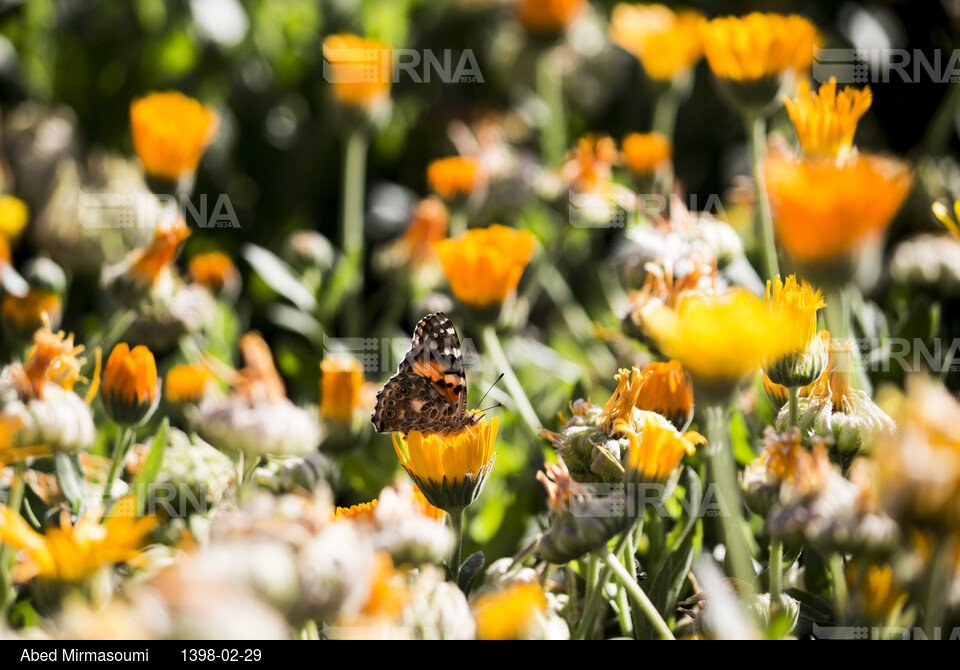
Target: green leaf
469,570
151,468
279,276
69,478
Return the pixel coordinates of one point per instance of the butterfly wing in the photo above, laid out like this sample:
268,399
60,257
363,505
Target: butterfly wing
428,392
411,402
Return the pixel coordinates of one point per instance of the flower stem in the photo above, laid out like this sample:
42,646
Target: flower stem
120,448
456,519
595,582
936,588
553,134
724,475
458,222
776,571
840,595
757,132
639,597
354,183
793,393
527,413
573,599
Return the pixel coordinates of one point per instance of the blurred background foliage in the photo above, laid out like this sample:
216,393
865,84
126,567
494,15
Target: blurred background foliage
278,153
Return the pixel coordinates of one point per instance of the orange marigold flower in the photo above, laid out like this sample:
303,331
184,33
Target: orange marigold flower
130,384
148,263
548,16
656,449
454,176
25,315
214,270
666,43
484,265
170,132
359,69
645,152
422,505
589,165
340,383
823,210
667,390
188,384
428,224
52,358
758,45
360,512
510,614
826,121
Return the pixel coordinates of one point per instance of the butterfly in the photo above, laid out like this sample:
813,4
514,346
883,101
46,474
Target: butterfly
429,391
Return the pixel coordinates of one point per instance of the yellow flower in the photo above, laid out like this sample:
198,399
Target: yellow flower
825,121
656,449
14,215
170,132
188,384
943,216
823,211
361,512
719,339
453,176
758,45
359,69
214,270
667,390
10,451
645,152
130,384
510,614
449,469
875,589
484,265
340,384
665,43
25,315
548,16
69,553
794,304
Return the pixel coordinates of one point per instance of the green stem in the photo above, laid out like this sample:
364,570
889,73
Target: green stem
456,519
354,184
793,393
458,222
837,319
572,596
7,592
553,134
757,132
776,571
630,556
724,476
840,595
624,612
639,597
527,413
595,584
936,589
120,448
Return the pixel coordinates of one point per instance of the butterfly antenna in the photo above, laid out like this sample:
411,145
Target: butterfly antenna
486,409
490,389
